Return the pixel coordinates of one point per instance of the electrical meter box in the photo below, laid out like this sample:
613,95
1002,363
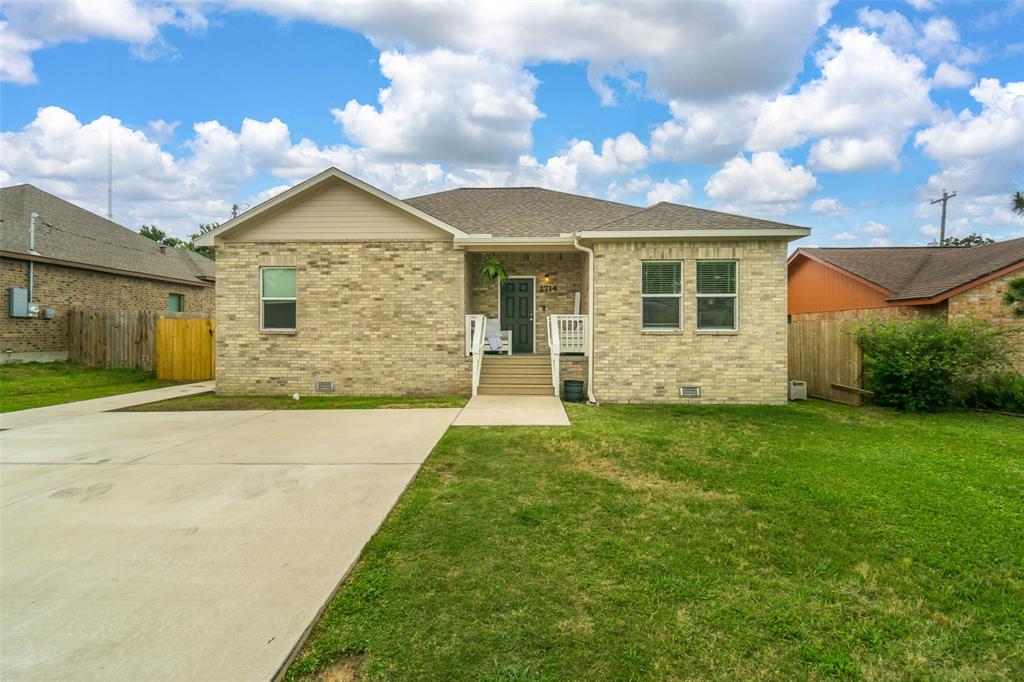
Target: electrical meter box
17,298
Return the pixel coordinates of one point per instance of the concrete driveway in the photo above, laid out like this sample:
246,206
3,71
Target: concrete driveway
190,545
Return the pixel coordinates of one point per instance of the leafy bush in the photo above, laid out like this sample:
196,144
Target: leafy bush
929,364
1003,391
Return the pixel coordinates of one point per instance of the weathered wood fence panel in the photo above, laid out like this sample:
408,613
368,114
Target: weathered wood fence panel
117,338
823,353
185,349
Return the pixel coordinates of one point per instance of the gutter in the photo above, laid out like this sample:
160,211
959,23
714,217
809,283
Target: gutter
590,314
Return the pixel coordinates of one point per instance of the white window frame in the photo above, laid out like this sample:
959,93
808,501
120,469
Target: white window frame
735,308
294,298
682,278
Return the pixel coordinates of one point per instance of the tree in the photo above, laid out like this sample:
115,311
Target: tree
202,250
1014,296
1018,203
972,239
160,237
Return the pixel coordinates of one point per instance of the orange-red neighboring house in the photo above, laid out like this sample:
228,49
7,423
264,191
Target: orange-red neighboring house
951,282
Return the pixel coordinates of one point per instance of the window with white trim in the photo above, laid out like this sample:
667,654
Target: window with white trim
277,299
662,294
717,305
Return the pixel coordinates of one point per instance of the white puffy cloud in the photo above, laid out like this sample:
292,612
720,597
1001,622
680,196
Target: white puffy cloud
464,108
829,206
845,237
862,107
31,25
874,229
949,76
705,133
936,38
672,192
700,51
979,155
764,178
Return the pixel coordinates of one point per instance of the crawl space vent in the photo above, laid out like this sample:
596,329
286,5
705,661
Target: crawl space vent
325,387
689,391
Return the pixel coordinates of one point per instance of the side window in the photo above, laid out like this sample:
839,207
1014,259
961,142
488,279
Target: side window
662,294
278,294
717,307
175,303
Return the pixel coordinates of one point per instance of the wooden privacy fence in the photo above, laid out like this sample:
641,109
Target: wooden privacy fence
185,349
825,355
117,338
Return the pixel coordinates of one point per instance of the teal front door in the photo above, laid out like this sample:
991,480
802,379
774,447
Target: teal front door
516,303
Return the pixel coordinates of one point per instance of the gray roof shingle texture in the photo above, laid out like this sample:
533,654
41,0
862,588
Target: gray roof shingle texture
72,234
923,271
535,212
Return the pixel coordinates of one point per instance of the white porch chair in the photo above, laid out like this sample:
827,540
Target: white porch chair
492,329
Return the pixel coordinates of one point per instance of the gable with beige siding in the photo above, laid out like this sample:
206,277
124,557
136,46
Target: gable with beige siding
338,212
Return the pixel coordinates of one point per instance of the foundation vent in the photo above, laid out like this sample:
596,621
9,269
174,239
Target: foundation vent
325,387
689,391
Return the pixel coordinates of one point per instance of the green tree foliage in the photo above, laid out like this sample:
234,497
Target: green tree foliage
1014,296
159,236
928,364
972,239
1018,203
493,270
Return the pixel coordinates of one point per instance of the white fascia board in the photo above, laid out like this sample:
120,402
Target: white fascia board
208,238
788,233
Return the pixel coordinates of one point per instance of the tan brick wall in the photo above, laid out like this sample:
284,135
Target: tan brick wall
567,272
748,366
61,288
986,302
378,318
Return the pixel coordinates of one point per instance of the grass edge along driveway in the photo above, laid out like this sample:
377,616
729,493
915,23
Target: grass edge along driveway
806,541
39,384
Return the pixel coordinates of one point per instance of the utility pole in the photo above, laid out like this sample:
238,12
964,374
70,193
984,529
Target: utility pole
946,196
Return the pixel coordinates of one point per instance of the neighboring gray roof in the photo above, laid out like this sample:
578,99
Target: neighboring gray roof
912,272
73,235
519,211
667,216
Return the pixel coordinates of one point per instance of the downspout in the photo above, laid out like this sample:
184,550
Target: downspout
590,314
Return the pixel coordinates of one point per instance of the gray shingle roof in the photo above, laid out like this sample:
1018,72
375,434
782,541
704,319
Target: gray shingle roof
912,272
68,233
519,211
536,212
667,216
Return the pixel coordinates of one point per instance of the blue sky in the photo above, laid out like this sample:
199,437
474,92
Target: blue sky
843,117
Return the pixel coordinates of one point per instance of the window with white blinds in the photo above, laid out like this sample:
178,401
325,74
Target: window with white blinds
717,304
662,294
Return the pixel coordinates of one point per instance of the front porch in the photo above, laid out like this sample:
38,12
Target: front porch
530,332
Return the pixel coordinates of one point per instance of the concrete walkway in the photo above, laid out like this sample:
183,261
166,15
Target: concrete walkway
187,545
51,413
513,410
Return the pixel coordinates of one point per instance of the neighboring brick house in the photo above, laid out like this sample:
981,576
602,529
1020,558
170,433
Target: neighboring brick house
335,285
75,259
877,282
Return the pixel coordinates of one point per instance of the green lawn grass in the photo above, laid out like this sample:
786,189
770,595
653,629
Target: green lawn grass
37,384
210,401
801,542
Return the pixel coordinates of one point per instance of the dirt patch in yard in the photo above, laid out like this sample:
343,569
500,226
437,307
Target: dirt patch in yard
345,670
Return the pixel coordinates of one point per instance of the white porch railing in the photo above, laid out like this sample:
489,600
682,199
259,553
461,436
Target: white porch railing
555,344
573,332
475,335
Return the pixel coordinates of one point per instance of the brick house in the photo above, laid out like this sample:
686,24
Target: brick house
335,285
67,257
876,282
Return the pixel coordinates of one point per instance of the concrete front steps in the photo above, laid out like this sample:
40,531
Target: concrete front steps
515,375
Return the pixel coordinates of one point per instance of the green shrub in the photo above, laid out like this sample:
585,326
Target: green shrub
927,364
1003,391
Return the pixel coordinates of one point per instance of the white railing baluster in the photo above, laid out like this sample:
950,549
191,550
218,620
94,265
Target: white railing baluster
573,332
554,344
477,325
